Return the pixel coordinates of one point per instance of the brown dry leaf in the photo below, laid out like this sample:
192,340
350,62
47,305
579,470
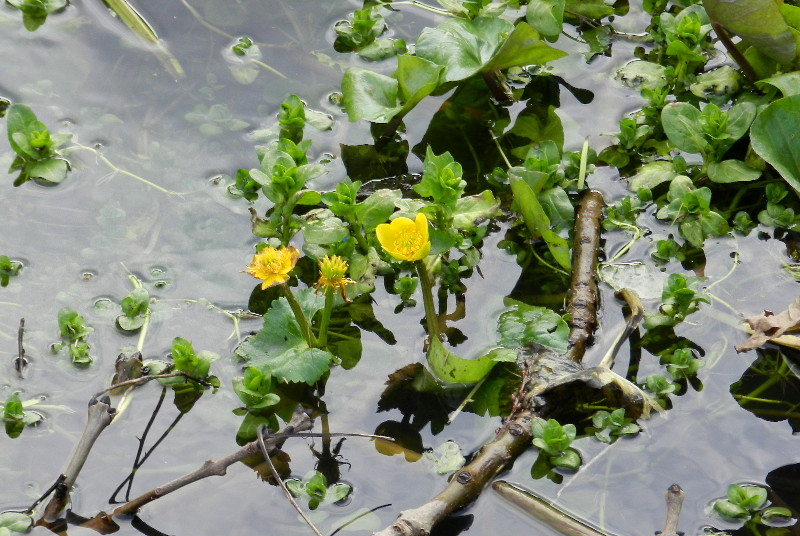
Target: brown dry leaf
767,326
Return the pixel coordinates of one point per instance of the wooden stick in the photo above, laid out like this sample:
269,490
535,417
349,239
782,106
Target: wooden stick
582,295
299,422
100,416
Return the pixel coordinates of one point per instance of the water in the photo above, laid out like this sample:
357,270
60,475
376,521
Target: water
83,73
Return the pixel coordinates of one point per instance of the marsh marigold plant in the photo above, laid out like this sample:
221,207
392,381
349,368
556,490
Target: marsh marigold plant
272,265
405,239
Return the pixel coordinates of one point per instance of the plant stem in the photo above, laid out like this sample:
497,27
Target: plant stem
299,316
427,299
326,318
121,171
737,55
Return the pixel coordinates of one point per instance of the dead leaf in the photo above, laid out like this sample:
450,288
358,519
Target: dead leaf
768,326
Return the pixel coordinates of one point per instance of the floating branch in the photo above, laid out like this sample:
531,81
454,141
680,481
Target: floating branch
300,422
582,296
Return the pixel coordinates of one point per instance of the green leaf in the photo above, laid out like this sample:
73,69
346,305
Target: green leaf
546,16
729,510
642,74
370,96
651,175
15,522
526,324
774,136
71,325
377,208
759,22
731,171
537,221
188,361
416,78
570,459
446,458
281,346
462,47
523,47
450,368
325,230
472,209
716,83
787,83
681,122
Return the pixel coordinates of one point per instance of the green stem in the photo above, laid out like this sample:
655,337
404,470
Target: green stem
427,299
299,316
424,6
326,318
121,171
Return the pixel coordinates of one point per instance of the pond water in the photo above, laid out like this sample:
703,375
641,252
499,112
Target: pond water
85,74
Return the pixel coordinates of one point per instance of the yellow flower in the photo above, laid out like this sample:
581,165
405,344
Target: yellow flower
273,265
404,239
332,274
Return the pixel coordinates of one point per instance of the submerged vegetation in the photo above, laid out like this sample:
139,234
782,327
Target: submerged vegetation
710,155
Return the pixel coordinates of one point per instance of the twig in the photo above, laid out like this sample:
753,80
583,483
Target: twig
144,379
582,295
299,422
20,363
465,486
632,323
541,509
674,497
100,416
142,458
260,438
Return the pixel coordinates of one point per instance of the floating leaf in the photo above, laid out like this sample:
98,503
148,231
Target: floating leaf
526,324
448,367
768,326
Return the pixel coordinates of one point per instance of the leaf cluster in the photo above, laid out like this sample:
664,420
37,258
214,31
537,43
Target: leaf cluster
16,418
746,503
35,12
74,331
314,488
8,269
553,440
36,149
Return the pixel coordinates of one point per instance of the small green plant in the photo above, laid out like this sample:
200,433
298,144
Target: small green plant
314,488
16,418
135,310
15,522
691,207
680,298
553,441
748,504
681,363
74,330
608,426
35,12
8,269
36,149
